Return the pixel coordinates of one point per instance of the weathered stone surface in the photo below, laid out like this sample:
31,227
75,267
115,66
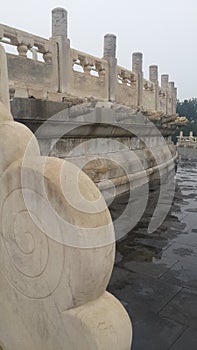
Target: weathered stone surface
42,270
4,96
14,139
59,22
153,73
56,253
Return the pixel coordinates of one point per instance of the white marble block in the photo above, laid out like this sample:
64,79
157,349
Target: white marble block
57,250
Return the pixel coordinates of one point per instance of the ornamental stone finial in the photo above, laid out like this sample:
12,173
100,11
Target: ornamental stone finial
171,86
137,59
109,46
59,22
153,73
164,81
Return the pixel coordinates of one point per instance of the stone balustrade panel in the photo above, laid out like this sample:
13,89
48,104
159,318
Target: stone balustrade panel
170,104
149,96
28,72
162,100
92,79
25,41
126,89
30,77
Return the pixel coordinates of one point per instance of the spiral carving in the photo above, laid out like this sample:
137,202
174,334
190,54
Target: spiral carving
30,258
54,256
43,232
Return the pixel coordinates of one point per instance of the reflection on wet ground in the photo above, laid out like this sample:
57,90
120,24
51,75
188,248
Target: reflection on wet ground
155,275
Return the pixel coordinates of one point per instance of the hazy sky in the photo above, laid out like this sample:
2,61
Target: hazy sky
164,31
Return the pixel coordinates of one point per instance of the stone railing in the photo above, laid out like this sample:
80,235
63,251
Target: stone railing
149,98
92,80
187,141
66,72
30,77
25,41
126,89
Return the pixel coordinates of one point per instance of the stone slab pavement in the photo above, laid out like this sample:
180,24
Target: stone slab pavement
155,275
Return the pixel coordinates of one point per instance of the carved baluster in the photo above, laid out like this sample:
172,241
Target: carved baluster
82,62
100,68
45,50
87,68
87,65
124,77
22,49
47,56
23,44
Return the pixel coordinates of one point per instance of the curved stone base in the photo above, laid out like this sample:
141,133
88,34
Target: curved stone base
100,325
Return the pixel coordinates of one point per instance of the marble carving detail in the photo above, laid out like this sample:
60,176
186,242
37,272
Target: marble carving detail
56,259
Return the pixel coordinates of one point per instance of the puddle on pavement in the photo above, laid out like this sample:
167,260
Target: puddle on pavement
180,225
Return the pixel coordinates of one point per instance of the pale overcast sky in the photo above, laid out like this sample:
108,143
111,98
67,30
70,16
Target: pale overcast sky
164,30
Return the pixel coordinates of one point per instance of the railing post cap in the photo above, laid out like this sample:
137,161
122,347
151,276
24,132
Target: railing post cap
110,35
59,9
137,53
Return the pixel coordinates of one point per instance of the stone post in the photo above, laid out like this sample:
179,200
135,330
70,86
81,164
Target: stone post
164,86
175,100
191,134
153,76
153,73
59,35
181,134
171,97
4,87
110,55
137,59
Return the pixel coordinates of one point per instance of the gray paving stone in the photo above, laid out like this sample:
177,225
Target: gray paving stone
187,341
183,308
181,252
155,268
144,292
188,239
153,332
183,274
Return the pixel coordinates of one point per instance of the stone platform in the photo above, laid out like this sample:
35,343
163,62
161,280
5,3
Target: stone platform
155,275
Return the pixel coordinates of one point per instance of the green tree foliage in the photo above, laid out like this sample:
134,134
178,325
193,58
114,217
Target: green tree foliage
187,108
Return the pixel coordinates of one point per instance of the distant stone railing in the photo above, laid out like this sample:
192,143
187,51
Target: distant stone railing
66,72
187,141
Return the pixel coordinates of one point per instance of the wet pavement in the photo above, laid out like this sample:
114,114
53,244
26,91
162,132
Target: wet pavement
155,275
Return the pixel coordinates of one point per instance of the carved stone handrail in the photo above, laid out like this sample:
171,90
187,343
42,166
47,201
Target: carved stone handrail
89,63
25,41
125,76
102,78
